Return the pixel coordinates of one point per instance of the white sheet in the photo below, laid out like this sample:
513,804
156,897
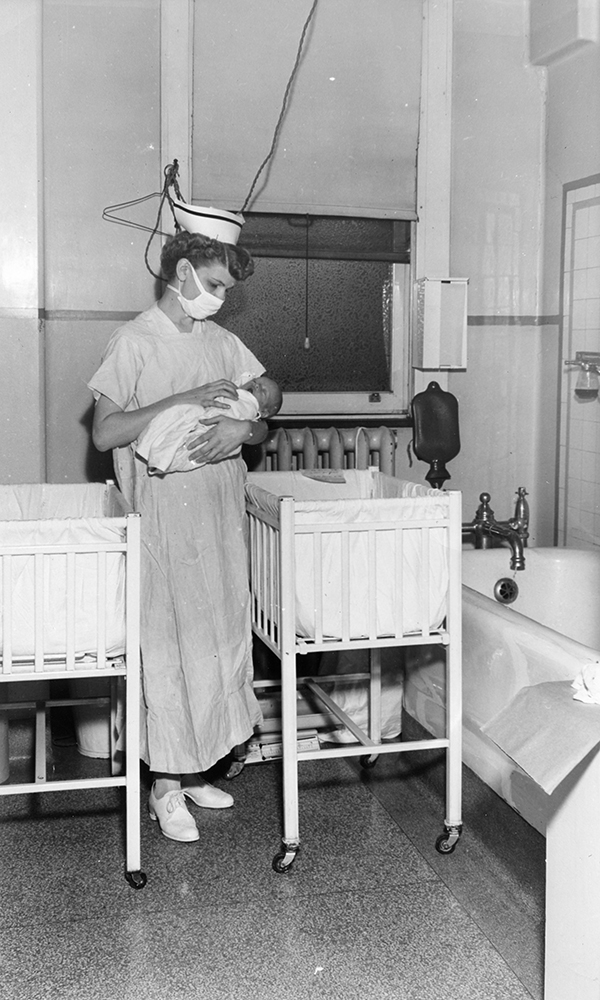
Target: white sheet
406,600
53,515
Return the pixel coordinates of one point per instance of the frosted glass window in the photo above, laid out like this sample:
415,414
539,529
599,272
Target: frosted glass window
330,335
323,322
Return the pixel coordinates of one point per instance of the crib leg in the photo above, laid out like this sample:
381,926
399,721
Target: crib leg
289,729
40,742
137,879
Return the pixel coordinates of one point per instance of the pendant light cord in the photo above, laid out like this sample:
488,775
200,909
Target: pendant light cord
306,333
283,106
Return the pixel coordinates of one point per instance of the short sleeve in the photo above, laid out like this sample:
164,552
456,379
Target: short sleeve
245,364
119,372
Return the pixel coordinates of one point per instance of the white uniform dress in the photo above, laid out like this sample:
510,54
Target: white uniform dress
196,636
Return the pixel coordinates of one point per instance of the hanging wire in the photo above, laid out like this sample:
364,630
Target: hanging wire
283,106
306,334
172,169
170,174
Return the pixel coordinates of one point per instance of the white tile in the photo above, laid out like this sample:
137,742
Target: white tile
594,220
576,464
580,254
589,434
578,343
593,283
593,251
578,315
587,524
574,493
592,318
575,434
579,285
589,497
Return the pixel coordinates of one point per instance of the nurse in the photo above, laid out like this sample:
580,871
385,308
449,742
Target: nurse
198,698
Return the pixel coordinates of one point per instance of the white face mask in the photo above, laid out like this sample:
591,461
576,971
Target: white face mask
203,305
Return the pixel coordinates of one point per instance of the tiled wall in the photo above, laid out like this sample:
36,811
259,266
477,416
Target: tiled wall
579,461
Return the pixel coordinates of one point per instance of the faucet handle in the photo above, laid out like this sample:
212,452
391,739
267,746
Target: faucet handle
521,518
484,512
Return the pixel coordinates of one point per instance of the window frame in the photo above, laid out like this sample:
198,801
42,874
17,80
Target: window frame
396,402
430,239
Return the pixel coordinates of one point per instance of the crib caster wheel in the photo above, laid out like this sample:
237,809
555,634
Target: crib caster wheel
369,762
283,861
137,880
447,841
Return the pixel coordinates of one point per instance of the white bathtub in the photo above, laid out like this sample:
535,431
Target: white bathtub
550,631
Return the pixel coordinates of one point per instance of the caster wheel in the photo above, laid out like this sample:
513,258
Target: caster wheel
283,861
137,880
443,844
369,762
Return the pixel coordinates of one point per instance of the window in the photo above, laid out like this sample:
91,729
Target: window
326,311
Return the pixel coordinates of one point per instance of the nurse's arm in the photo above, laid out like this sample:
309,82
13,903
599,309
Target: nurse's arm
223,436
114,427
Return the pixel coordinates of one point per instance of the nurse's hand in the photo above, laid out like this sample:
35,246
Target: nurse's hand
207,395
223,437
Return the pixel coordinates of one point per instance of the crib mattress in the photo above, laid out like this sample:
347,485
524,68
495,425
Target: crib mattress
61,515
406,581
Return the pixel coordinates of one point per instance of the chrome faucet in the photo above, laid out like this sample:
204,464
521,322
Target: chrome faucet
485,528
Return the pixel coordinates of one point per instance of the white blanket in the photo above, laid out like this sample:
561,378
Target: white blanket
163,444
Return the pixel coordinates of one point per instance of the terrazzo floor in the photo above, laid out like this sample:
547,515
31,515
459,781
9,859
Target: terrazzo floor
368,911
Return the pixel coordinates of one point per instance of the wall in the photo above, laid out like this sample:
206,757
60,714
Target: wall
579,465
85,79
97,132
21,341
572,273
497,206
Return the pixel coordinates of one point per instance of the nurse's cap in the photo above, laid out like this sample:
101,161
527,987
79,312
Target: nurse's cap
212,222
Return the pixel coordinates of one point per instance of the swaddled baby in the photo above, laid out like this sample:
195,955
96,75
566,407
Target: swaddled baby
163,444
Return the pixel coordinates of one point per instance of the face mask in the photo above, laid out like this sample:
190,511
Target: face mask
203,305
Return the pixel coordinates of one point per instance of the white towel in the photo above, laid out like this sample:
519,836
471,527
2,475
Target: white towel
587,684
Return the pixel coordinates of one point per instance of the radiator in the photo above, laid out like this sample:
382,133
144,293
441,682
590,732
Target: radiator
288,449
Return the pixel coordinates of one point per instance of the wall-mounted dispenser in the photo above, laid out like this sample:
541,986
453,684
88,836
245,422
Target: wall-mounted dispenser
440,324
588,383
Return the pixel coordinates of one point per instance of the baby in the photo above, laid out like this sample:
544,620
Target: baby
163,444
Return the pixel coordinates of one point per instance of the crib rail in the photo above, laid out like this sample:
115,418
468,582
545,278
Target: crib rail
288,449
71,564
273,578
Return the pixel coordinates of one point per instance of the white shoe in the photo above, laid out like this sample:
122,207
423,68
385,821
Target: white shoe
173,817
207,796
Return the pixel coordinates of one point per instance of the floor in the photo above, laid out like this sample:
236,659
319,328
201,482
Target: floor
368,911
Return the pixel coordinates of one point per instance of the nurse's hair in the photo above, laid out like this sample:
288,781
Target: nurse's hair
202,251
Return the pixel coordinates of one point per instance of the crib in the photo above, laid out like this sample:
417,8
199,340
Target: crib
69,610
353,559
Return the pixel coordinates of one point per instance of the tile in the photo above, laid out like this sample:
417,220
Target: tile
68,847
368,911
382,944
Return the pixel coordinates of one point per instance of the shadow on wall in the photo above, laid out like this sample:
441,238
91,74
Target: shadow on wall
98,464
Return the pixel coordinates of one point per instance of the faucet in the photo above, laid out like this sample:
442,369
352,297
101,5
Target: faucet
484,527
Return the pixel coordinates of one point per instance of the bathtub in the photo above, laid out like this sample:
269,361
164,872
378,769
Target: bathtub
548,632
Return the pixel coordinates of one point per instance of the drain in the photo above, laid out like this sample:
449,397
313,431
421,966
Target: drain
506,590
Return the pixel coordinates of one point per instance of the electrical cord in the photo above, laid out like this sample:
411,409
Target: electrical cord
283,106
